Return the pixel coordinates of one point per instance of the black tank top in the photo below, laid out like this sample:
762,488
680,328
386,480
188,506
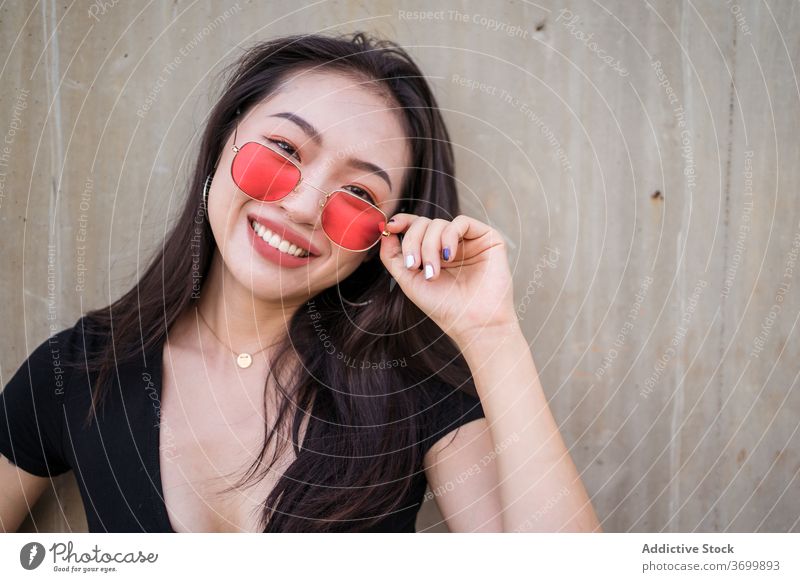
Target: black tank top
116,460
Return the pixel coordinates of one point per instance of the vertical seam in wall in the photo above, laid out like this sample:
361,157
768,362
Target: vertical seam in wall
726,241
51,73
678,398
52,65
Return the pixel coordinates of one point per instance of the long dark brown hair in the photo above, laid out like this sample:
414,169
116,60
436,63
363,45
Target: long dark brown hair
360,450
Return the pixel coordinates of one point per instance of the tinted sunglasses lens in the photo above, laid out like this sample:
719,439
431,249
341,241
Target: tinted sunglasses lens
351,222
262,173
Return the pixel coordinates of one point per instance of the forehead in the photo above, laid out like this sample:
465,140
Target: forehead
351,117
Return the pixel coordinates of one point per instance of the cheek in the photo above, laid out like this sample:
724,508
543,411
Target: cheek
223,211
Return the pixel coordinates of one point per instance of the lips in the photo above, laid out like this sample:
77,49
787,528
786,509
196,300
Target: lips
285,233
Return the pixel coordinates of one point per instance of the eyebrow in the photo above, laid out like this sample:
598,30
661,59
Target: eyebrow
316,137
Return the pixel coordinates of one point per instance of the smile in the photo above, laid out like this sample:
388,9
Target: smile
274,240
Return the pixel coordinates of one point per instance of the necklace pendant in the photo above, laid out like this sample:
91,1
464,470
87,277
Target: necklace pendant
244,360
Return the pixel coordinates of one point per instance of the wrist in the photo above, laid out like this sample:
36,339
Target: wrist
488,338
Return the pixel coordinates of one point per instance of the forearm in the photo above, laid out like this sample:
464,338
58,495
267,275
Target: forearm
539,486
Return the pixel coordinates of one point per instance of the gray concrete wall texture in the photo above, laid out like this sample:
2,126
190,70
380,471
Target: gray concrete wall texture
641,159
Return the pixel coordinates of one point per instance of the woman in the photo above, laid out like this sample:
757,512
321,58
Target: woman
293,360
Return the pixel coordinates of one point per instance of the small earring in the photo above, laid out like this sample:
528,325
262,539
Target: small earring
361,304
352,303
205,189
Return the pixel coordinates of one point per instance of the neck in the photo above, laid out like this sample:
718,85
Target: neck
242,321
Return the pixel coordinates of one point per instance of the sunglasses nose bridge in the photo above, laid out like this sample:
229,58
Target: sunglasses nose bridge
317,188
321,191
303,182
292,200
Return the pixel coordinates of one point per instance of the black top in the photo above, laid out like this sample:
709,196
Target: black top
116,460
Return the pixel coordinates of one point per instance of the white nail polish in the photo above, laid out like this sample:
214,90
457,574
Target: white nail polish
409,261
428,271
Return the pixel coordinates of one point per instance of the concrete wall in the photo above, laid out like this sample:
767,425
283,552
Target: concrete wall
642,160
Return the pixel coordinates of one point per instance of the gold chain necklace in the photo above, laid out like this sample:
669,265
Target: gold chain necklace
243,359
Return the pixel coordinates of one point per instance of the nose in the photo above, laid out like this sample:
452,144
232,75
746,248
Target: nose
303,204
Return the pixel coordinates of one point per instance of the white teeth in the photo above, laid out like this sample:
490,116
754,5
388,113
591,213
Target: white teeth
275,241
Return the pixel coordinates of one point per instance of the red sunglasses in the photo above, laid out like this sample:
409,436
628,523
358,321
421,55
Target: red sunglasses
268,175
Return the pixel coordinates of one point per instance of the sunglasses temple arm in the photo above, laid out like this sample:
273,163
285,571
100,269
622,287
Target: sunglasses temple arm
235,131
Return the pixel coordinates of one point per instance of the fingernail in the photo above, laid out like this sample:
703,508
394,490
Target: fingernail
391,220
428,270
409,261
446,253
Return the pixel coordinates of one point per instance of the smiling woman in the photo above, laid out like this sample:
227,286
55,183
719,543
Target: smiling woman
253,384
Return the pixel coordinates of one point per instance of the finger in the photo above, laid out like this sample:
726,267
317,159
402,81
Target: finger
430,251
399,222
461,228
391,254
450,239
412,242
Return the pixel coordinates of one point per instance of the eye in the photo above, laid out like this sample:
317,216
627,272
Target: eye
285,146
363,193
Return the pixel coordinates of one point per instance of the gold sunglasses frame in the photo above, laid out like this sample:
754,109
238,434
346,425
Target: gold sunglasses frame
236,149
